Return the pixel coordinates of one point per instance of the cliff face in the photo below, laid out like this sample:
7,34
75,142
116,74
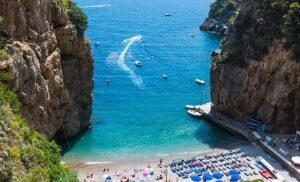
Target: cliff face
221,15
257,74
52,66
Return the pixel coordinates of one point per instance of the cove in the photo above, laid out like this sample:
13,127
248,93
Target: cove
140,115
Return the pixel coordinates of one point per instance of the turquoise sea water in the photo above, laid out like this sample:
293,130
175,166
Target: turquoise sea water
141,115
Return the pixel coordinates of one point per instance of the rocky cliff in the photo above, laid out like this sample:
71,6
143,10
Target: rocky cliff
51,63
221,15
257,74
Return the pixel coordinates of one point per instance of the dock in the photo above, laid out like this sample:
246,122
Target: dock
240,130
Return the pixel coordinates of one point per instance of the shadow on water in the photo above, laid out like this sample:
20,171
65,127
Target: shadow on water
218,136
68,145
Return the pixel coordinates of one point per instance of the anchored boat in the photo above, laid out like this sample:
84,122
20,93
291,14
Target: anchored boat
167,14
194,113
138,63
165,76
201,82
192,107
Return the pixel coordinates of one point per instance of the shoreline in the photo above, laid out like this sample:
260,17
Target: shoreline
151,159
128,168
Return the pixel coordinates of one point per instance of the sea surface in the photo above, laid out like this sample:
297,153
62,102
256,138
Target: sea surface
139,114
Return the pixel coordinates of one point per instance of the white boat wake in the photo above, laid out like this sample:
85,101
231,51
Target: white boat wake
137,80
97,6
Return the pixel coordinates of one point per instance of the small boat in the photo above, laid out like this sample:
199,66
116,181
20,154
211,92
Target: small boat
259,165
138,63
192,34
265,174
201,82
97,44
191,107
167,14
194,113
165,76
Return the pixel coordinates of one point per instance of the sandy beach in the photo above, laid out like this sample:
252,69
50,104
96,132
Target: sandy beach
137,168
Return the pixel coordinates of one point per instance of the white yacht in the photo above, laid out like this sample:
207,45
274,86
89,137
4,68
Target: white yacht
138,63
167,14
201,82
165,76
194,113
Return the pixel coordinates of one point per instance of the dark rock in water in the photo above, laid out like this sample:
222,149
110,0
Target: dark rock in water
221,15
211,25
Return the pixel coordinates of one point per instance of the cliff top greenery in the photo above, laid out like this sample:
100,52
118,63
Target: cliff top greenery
76,16
224,10
26,156
258,24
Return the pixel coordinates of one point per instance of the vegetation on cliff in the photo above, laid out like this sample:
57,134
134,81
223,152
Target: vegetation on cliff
224,10
258,24
26,154
76,16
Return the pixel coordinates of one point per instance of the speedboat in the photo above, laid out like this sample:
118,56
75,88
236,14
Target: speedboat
192,34
97,44
167,14
191,107
194,113
165,76
201,82
138,63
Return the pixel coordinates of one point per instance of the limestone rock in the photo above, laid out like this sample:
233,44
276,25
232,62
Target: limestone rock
47,58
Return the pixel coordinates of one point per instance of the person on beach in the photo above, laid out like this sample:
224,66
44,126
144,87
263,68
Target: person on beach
160,162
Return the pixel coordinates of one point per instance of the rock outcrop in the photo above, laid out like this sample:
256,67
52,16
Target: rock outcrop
221,15
51,65
257,74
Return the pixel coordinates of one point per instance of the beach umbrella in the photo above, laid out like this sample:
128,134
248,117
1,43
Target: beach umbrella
218,175
233,172
196,178
105,176
207,177
235,177
219,180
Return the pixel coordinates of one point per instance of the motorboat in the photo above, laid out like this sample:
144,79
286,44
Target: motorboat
97,44
192,34
167,14
194,113
201,82
191,107
165,76
138,63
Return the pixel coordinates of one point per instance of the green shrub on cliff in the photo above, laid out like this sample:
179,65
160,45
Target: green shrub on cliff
76,15
4,55
26,154
1,21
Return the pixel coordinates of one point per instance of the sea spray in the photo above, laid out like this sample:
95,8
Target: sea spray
97,6
137,80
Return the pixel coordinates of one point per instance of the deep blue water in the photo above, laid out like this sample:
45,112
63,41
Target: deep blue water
140,114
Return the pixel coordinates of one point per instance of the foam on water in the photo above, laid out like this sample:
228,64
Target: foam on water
97,6
137,80
137,124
